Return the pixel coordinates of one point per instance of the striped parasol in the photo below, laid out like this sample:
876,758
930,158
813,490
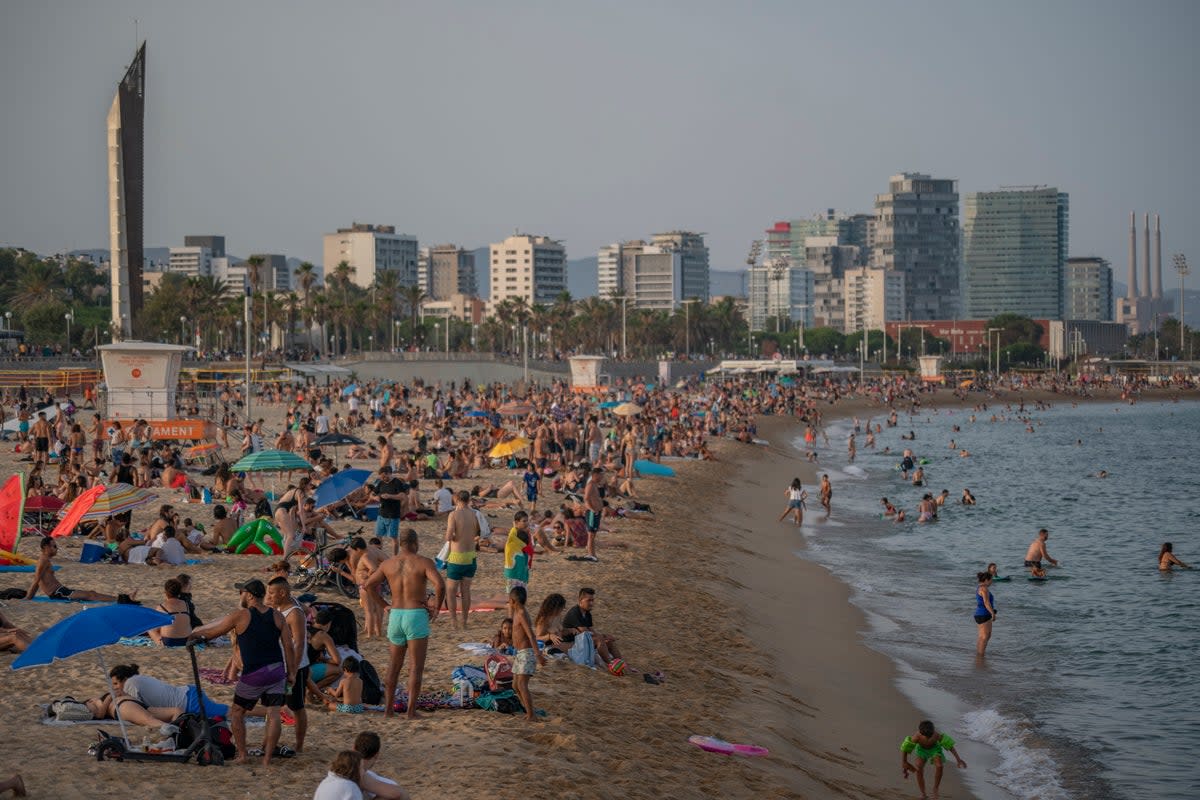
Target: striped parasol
117,499
270,461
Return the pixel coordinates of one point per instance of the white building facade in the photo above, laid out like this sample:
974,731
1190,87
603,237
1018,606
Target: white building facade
529,267
194,262
370,250
872,297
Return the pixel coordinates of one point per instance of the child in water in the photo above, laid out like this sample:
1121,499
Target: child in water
928,744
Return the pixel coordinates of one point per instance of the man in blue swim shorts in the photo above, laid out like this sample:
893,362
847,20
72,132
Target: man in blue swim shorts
409,576
391,492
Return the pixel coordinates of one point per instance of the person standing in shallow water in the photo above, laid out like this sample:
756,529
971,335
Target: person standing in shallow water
796,495
1167,559
826,493
985,611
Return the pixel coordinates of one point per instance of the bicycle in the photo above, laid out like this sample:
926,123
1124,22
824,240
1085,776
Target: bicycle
317,573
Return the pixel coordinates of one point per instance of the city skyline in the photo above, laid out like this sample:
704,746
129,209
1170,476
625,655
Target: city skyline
249,147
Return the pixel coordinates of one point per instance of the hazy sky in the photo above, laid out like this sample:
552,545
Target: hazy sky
273,123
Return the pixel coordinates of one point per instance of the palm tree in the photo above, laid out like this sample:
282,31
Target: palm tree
39,282
387,293
413,298
306,273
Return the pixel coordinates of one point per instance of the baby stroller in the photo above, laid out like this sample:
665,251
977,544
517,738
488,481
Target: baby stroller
204,745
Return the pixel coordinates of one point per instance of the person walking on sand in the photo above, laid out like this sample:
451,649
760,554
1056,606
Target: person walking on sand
985,611
826,494
1037,553
462,530
795,508
1167,559
408,575
928,745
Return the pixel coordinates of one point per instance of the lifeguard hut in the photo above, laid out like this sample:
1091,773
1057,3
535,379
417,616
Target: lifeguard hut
931,369
585,374
141,380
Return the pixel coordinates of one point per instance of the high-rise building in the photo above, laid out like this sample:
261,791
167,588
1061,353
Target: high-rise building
532,267
872,297
215,244
445,270
1014,252
194,262
1088,289
780,296
828,260
126,124
672,268
917,233
693,262
371,249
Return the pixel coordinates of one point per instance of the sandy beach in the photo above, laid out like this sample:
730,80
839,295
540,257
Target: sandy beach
757,646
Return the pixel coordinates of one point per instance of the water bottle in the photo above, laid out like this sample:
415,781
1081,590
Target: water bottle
464,694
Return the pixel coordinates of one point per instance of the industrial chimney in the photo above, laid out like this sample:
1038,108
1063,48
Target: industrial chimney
1146,257
1157,293
1133,276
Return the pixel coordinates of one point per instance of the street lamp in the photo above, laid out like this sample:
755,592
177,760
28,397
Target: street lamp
437,326
370,342
68,317
997,331
687,327
1181,266
183,330
395,334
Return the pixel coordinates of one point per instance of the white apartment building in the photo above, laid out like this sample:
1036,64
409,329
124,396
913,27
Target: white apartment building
829,261
660,275
532,267
780,295
371,249
194,262
608,271
872,297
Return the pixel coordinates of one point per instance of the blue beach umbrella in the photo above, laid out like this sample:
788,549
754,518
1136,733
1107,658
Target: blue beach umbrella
91,629
610,404
479,413
349,390
340,484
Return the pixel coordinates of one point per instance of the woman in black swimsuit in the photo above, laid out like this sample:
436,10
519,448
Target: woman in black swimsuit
287,516
175,634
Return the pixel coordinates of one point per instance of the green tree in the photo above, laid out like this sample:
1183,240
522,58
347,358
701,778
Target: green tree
824,341
44,323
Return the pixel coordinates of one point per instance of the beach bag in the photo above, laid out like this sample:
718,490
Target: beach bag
191,728
68,709
372,687
439,560
473,675
499,673
505,702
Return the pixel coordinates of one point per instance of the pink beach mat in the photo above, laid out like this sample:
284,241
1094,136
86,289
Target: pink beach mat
715,745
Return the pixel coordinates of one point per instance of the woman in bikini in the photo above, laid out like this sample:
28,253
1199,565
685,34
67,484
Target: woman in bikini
287,515
175,634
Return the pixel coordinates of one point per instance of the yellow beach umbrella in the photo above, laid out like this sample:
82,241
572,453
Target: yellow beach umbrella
507,448
627,410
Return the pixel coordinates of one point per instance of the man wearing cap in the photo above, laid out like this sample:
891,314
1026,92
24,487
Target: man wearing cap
391,492
408,575
266,671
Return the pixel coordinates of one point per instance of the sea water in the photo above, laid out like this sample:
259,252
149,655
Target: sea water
1088,689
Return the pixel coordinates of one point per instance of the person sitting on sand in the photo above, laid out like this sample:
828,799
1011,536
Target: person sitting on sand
175,634
375,786
928,745
579,621
502,642
342,782
1167,559
44,579
12,638
346,697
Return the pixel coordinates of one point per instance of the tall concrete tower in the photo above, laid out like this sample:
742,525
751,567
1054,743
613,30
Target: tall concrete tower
126,123
1157,292
1146,258
1133,276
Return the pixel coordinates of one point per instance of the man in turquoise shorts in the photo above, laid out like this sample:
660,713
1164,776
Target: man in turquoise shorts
409,576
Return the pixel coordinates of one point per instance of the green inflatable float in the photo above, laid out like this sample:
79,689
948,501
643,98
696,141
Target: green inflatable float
259,536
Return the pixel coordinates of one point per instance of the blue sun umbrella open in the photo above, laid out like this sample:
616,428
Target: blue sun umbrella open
338,485
91,629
